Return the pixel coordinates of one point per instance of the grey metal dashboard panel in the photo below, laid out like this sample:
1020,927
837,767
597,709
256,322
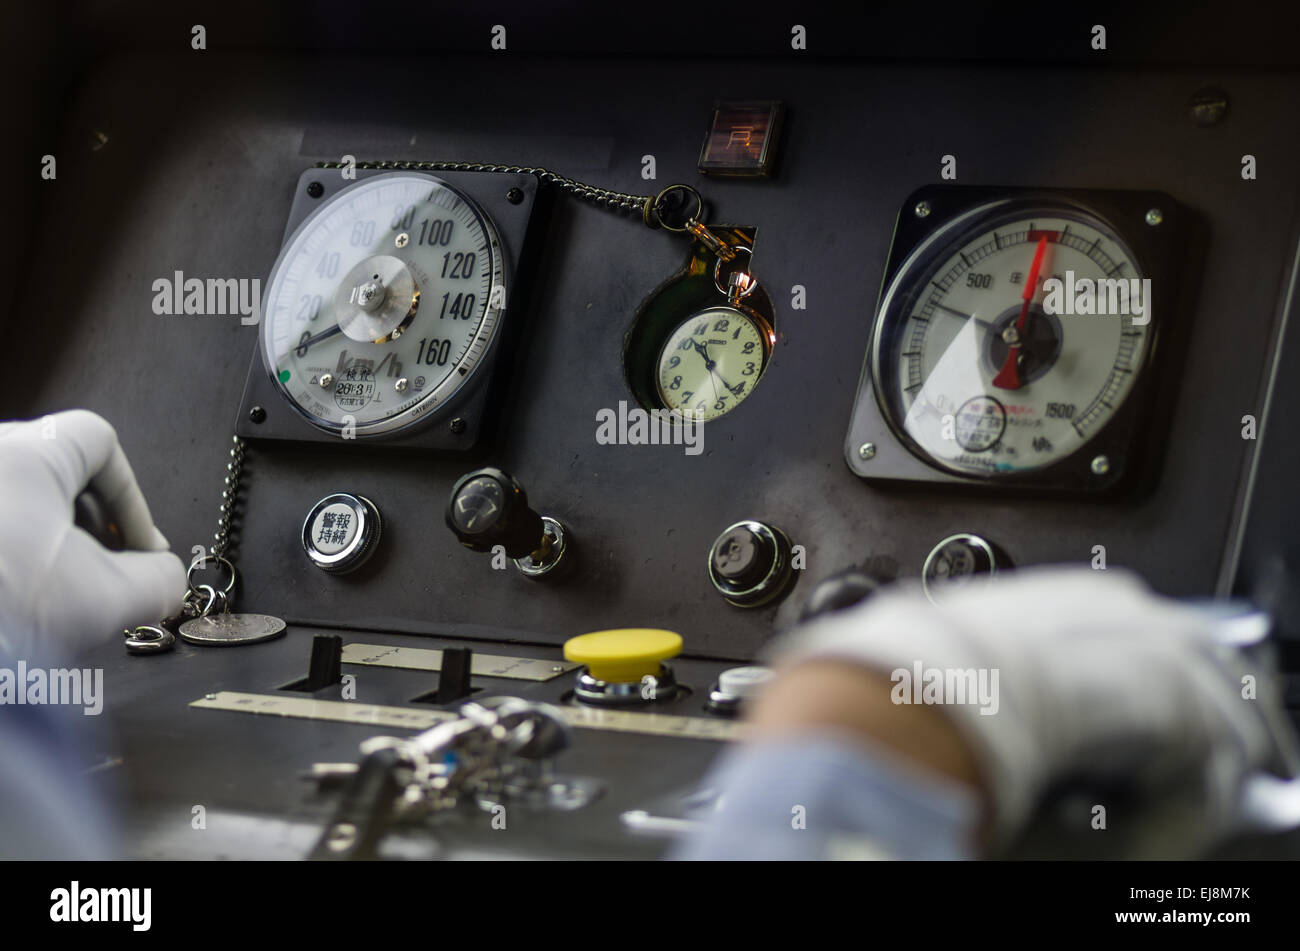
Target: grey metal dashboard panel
197,175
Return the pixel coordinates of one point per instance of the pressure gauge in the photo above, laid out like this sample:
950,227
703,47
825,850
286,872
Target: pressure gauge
383,304
1010,340
711,361
977,368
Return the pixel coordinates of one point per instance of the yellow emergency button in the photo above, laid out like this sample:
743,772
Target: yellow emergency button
624,655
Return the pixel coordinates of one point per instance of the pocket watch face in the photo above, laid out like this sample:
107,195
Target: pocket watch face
711,361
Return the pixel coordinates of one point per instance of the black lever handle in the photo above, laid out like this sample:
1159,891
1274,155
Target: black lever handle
487,508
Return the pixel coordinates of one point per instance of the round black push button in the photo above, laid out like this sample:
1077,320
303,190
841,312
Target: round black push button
961,560
750,563
742,557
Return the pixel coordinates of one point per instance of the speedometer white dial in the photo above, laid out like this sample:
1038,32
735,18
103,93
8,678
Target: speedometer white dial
383,303
1010,338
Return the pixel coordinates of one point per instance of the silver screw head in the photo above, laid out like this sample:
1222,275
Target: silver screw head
922,209
1154,216
867,450
401,385
1100,465
402,239
326,381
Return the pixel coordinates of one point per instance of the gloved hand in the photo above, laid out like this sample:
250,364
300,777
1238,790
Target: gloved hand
56,581
1097,679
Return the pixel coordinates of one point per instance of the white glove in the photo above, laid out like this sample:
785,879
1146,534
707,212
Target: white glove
1097,678
56,581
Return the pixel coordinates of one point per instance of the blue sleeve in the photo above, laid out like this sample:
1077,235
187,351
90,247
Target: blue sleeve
48,807
827,796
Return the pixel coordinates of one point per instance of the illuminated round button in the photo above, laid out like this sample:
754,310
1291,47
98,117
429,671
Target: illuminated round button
743,682
734,687
625,655
341,531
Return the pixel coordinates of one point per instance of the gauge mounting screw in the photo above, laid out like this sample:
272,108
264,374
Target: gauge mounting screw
867,450
1100,465
1154,216
326,381
401,385
515,196
402,239
315,189
922,209
257,415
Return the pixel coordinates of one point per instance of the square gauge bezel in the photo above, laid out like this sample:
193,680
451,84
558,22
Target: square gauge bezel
1131,457
474,407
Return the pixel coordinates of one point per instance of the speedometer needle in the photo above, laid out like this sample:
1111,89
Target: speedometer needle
318,338
1008,377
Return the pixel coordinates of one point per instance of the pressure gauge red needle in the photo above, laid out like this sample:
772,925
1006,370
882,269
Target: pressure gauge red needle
1008,377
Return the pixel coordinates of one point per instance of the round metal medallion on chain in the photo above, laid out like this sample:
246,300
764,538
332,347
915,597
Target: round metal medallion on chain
220,630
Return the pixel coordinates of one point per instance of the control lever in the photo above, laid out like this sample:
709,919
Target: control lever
453,678
488,512
453,681
325,667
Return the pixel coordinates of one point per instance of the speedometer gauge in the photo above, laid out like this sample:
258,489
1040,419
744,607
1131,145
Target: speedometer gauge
388,307
1011,335
381,304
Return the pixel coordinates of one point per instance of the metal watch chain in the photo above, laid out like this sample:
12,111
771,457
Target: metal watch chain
652,209
204,601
